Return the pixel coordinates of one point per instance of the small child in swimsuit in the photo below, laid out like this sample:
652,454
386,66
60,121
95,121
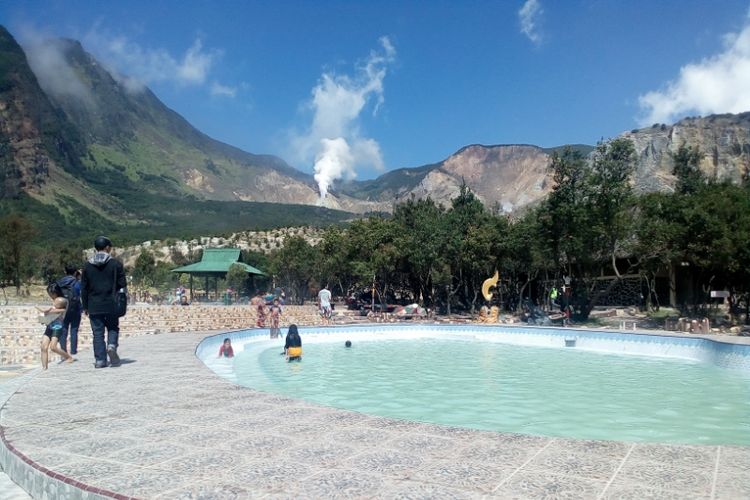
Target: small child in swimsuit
52,317
275,313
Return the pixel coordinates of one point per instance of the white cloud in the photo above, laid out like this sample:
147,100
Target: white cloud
218,89
529,15
195,65
717,84
49,63
333,140
144,66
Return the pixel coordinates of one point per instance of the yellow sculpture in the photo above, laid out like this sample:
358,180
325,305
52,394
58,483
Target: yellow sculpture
489,315
489,283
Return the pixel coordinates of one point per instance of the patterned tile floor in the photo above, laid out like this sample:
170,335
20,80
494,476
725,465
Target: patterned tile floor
10,381
163,426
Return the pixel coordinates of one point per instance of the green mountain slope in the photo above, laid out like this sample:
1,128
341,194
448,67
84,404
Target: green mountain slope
106,160
133,132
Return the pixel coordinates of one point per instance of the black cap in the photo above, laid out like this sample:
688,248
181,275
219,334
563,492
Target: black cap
102,242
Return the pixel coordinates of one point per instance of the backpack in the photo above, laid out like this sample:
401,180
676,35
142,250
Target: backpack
70,293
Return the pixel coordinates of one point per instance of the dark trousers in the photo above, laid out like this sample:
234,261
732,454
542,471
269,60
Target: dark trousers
100,322
70,323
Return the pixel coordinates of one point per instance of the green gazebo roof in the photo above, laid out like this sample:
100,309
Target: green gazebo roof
217,261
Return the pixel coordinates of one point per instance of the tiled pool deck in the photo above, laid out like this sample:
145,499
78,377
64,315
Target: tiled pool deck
164,426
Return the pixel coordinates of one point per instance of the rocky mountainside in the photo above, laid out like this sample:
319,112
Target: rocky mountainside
36,140
724,141
503,176
514,176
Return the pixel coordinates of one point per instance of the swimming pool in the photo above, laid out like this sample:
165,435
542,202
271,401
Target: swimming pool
602,386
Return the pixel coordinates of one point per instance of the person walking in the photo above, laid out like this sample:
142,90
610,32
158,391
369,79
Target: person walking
324,305
71,289
102,277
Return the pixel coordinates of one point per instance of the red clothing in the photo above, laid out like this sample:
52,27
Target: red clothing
260,322
275,315
225,351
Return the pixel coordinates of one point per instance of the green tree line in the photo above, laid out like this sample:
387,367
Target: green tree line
592,224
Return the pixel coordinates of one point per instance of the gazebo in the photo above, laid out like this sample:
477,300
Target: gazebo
216,263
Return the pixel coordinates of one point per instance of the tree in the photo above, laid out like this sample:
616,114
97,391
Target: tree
18,233
335,264
237,278
470,250
144,270
612,196
586,219
687,162
50,262
373,255
526,256
657,232
295,264
419,244
563,220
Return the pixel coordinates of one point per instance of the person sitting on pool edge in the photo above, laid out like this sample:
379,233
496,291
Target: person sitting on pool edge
293,345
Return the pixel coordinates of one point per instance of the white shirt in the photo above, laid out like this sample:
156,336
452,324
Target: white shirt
325,297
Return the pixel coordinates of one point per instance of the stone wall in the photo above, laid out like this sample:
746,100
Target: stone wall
21,332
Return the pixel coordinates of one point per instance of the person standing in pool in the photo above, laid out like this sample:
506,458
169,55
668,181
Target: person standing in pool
260,317
275,313
293,345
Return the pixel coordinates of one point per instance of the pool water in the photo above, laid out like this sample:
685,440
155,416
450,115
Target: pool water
532,390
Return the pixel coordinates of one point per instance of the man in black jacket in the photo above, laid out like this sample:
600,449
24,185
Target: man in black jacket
102,277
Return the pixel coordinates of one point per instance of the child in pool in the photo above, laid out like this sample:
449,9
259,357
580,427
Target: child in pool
226,351
260,320
275,314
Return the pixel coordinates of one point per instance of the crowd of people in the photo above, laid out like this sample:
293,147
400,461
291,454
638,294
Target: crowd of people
95,292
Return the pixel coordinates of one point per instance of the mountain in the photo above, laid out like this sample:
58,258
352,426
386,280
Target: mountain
130,131
509,176
724,141
514,176
80,152
84,149
36,140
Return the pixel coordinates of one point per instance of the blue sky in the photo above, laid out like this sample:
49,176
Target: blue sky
355,88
